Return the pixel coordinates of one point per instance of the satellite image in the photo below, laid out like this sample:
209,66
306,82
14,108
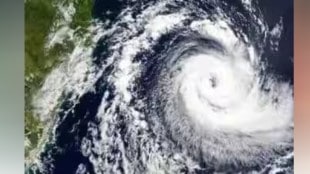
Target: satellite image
159,87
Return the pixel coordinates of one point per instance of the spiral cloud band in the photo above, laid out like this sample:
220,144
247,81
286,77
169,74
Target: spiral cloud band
177,87
214,104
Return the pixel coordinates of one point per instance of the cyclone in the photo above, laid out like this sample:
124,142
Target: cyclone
177,87
214,103
209,92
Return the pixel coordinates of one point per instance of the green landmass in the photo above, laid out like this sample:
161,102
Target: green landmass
81,19
40,19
